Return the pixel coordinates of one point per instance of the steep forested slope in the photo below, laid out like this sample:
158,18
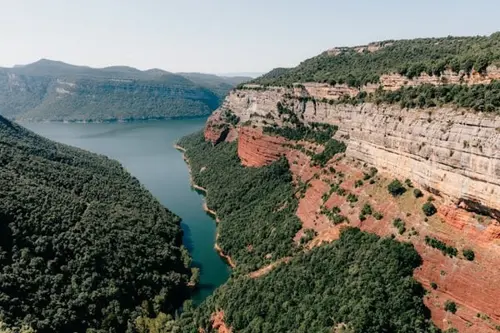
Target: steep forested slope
82,243
256,205
51,90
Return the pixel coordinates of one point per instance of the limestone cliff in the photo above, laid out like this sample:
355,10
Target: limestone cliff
449,152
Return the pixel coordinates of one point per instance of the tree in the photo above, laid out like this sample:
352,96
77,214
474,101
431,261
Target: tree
417,193
429,209
396,188
469,254
450,306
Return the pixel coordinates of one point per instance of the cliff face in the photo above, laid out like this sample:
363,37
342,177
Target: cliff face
450,153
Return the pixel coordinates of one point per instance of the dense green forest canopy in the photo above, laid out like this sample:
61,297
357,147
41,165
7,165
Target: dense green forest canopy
407,57
362,281
52,90
82,244
256,206
481,97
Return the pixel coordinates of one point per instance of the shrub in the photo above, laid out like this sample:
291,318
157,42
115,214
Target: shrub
429,209
469,254
398,223
367,209
437,244
358,183
450,306
408,182
378,216
362,217
352,198
396,188
434,285
417,193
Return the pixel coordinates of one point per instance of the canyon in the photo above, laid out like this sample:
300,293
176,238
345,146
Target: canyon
450,153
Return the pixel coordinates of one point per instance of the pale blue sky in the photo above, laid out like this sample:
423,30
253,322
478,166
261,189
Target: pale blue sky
221,36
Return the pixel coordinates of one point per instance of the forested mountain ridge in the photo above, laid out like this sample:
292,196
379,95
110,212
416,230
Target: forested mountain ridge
56,91
362,65
83,246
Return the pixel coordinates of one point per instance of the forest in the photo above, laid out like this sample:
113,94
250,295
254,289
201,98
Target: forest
360,282
356,67
84,247
256,206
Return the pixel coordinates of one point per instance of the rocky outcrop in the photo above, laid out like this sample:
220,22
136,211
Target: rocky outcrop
217,130
392,81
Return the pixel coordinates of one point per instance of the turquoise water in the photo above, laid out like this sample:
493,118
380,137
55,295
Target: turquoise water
146,150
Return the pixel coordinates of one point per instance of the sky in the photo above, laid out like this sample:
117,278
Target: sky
221,36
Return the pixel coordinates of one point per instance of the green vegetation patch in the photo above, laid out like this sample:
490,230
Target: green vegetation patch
429,209
82,243
256,205
469,254
400,225
396,188
356,280
440,245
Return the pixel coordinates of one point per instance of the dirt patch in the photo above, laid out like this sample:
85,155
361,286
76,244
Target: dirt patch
268,268
218,322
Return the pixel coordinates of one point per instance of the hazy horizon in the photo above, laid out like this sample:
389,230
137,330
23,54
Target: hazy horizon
220,37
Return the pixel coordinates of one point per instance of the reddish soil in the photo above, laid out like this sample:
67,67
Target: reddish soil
218,323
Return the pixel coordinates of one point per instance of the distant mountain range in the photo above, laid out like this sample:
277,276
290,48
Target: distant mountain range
57,91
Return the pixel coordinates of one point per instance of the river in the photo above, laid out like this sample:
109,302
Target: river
145,149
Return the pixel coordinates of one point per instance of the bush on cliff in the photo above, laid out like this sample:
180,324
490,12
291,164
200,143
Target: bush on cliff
469,254
450,306
429,209
396,188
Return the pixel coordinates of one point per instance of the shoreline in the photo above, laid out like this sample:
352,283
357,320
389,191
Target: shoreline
104,121
205,207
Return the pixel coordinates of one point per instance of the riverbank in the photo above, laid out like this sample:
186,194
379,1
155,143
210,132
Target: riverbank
212,213
104,121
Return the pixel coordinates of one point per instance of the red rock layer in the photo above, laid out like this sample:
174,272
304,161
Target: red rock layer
256,149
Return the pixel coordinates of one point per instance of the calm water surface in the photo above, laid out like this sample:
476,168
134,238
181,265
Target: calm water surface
146,150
